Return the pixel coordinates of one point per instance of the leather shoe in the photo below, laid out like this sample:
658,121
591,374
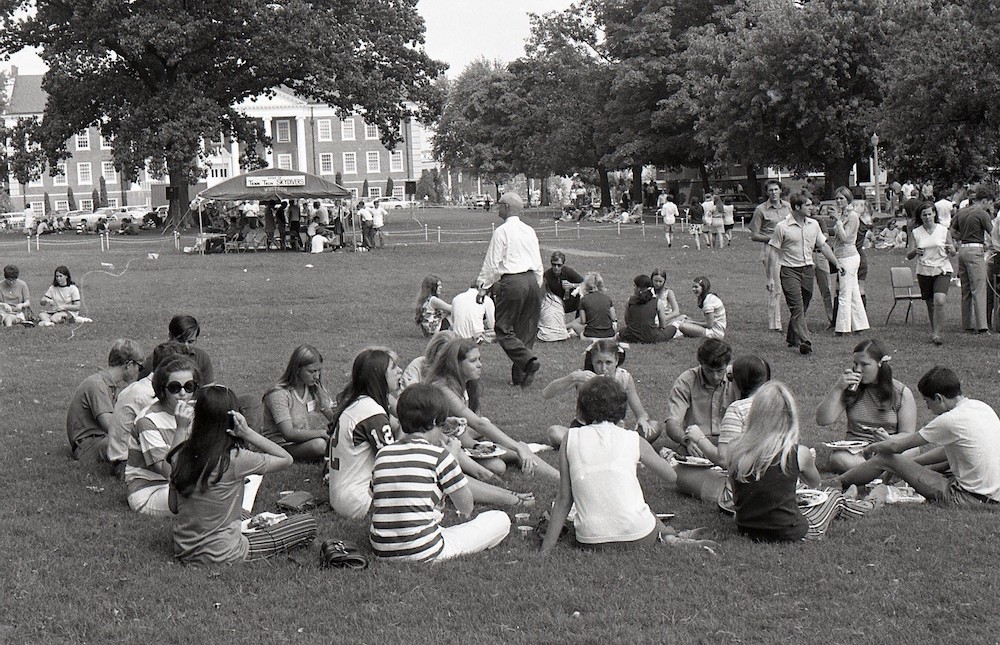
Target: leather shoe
529,372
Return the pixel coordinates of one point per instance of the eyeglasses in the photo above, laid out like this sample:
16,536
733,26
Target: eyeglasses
557,264
174,387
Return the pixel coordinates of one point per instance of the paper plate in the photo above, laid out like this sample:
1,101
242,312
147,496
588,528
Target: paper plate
809,497
696,462
846,444
485,450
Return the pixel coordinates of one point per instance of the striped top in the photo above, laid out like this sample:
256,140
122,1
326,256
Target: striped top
147,446
867,414
409,483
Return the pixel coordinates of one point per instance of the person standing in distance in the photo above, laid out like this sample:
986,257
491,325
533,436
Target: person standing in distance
513,267
971,227
765,217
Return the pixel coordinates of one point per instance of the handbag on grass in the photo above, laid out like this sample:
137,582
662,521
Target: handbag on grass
297,502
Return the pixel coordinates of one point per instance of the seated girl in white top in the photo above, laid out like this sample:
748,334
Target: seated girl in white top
61,302
714,325
597,473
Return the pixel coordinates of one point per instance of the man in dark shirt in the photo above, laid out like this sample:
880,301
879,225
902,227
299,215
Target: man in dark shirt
562,281
971,227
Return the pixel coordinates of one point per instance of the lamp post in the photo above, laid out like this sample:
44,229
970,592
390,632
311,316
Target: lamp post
878,192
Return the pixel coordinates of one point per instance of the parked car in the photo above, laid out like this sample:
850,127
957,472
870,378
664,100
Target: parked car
743,206
12,221
479,201
392,204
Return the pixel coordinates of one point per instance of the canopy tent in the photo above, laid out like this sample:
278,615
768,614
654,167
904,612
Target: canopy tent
276,184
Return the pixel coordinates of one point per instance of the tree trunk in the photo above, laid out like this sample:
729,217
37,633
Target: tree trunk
836,173
637,194
125,187
703,173
545,191
602,174
179,198
24,194
753,189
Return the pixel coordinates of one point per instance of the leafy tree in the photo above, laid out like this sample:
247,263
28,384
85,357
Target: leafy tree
103,192
95,199
389,187
47,204
338,179
940,117
791,85
470,133
426,187
25,160
161,76
364,189
70,198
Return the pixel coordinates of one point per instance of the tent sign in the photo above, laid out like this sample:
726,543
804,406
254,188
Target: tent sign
276,180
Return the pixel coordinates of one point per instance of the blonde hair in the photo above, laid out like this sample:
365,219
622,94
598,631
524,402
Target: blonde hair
771,431
593,282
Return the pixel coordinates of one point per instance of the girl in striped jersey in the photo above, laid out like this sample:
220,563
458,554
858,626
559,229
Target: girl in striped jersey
410,481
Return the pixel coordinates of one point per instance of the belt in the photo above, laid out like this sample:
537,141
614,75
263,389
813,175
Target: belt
972,244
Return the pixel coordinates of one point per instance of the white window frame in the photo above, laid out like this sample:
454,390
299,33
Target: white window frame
62,205
347,130
108,172
324,130
87,204
37,208
84,169
283,161
354,194
326,166
375,192
37,183
395,161
377,166
62,179
83,140
112,202
106,143
283,131
371,132
399,192
350,163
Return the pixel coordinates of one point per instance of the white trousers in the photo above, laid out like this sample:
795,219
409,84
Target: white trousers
151,500
483,532
851,315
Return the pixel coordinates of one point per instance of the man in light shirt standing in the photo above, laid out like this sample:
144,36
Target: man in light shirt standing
513,267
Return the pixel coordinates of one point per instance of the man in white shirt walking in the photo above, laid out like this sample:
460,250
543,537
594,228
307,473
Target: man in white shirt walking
513,267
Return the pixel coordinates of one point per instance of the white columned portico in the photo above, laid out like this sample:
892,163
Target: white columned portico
300,144
234,152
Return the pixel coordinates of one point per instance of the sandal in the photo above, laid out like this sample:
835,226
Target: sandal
341,554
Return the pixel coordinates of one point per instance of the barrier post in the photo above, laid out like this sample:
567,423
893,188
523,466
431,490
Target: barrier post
439,234
107,240
37,245
100,236
427,237
578,230
29,243
557,228
618,225
644,228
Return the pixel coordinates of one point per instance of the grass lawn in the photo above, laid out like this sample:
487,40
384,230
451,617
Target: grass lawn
81,567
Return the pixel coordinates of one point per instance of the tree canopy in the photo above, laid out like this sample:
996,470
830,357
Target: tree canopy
159,75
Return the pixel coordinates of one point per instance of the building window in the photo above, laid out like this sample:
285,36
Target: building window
326,163
87,205
105,142
112,202
396,161
347,130
83,173
83,140
62,205
398,192
37,208
109,172
60,178
283,131
354,193
371,131
373,161
375,192
285,161
324,130
350,163
36,183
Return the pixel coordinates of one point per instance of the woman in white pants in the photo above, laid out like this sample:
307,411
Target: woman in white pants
851,315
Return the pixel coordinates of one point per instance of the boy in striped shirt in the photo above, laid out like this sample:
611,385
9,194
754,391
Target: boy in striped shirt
410,481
